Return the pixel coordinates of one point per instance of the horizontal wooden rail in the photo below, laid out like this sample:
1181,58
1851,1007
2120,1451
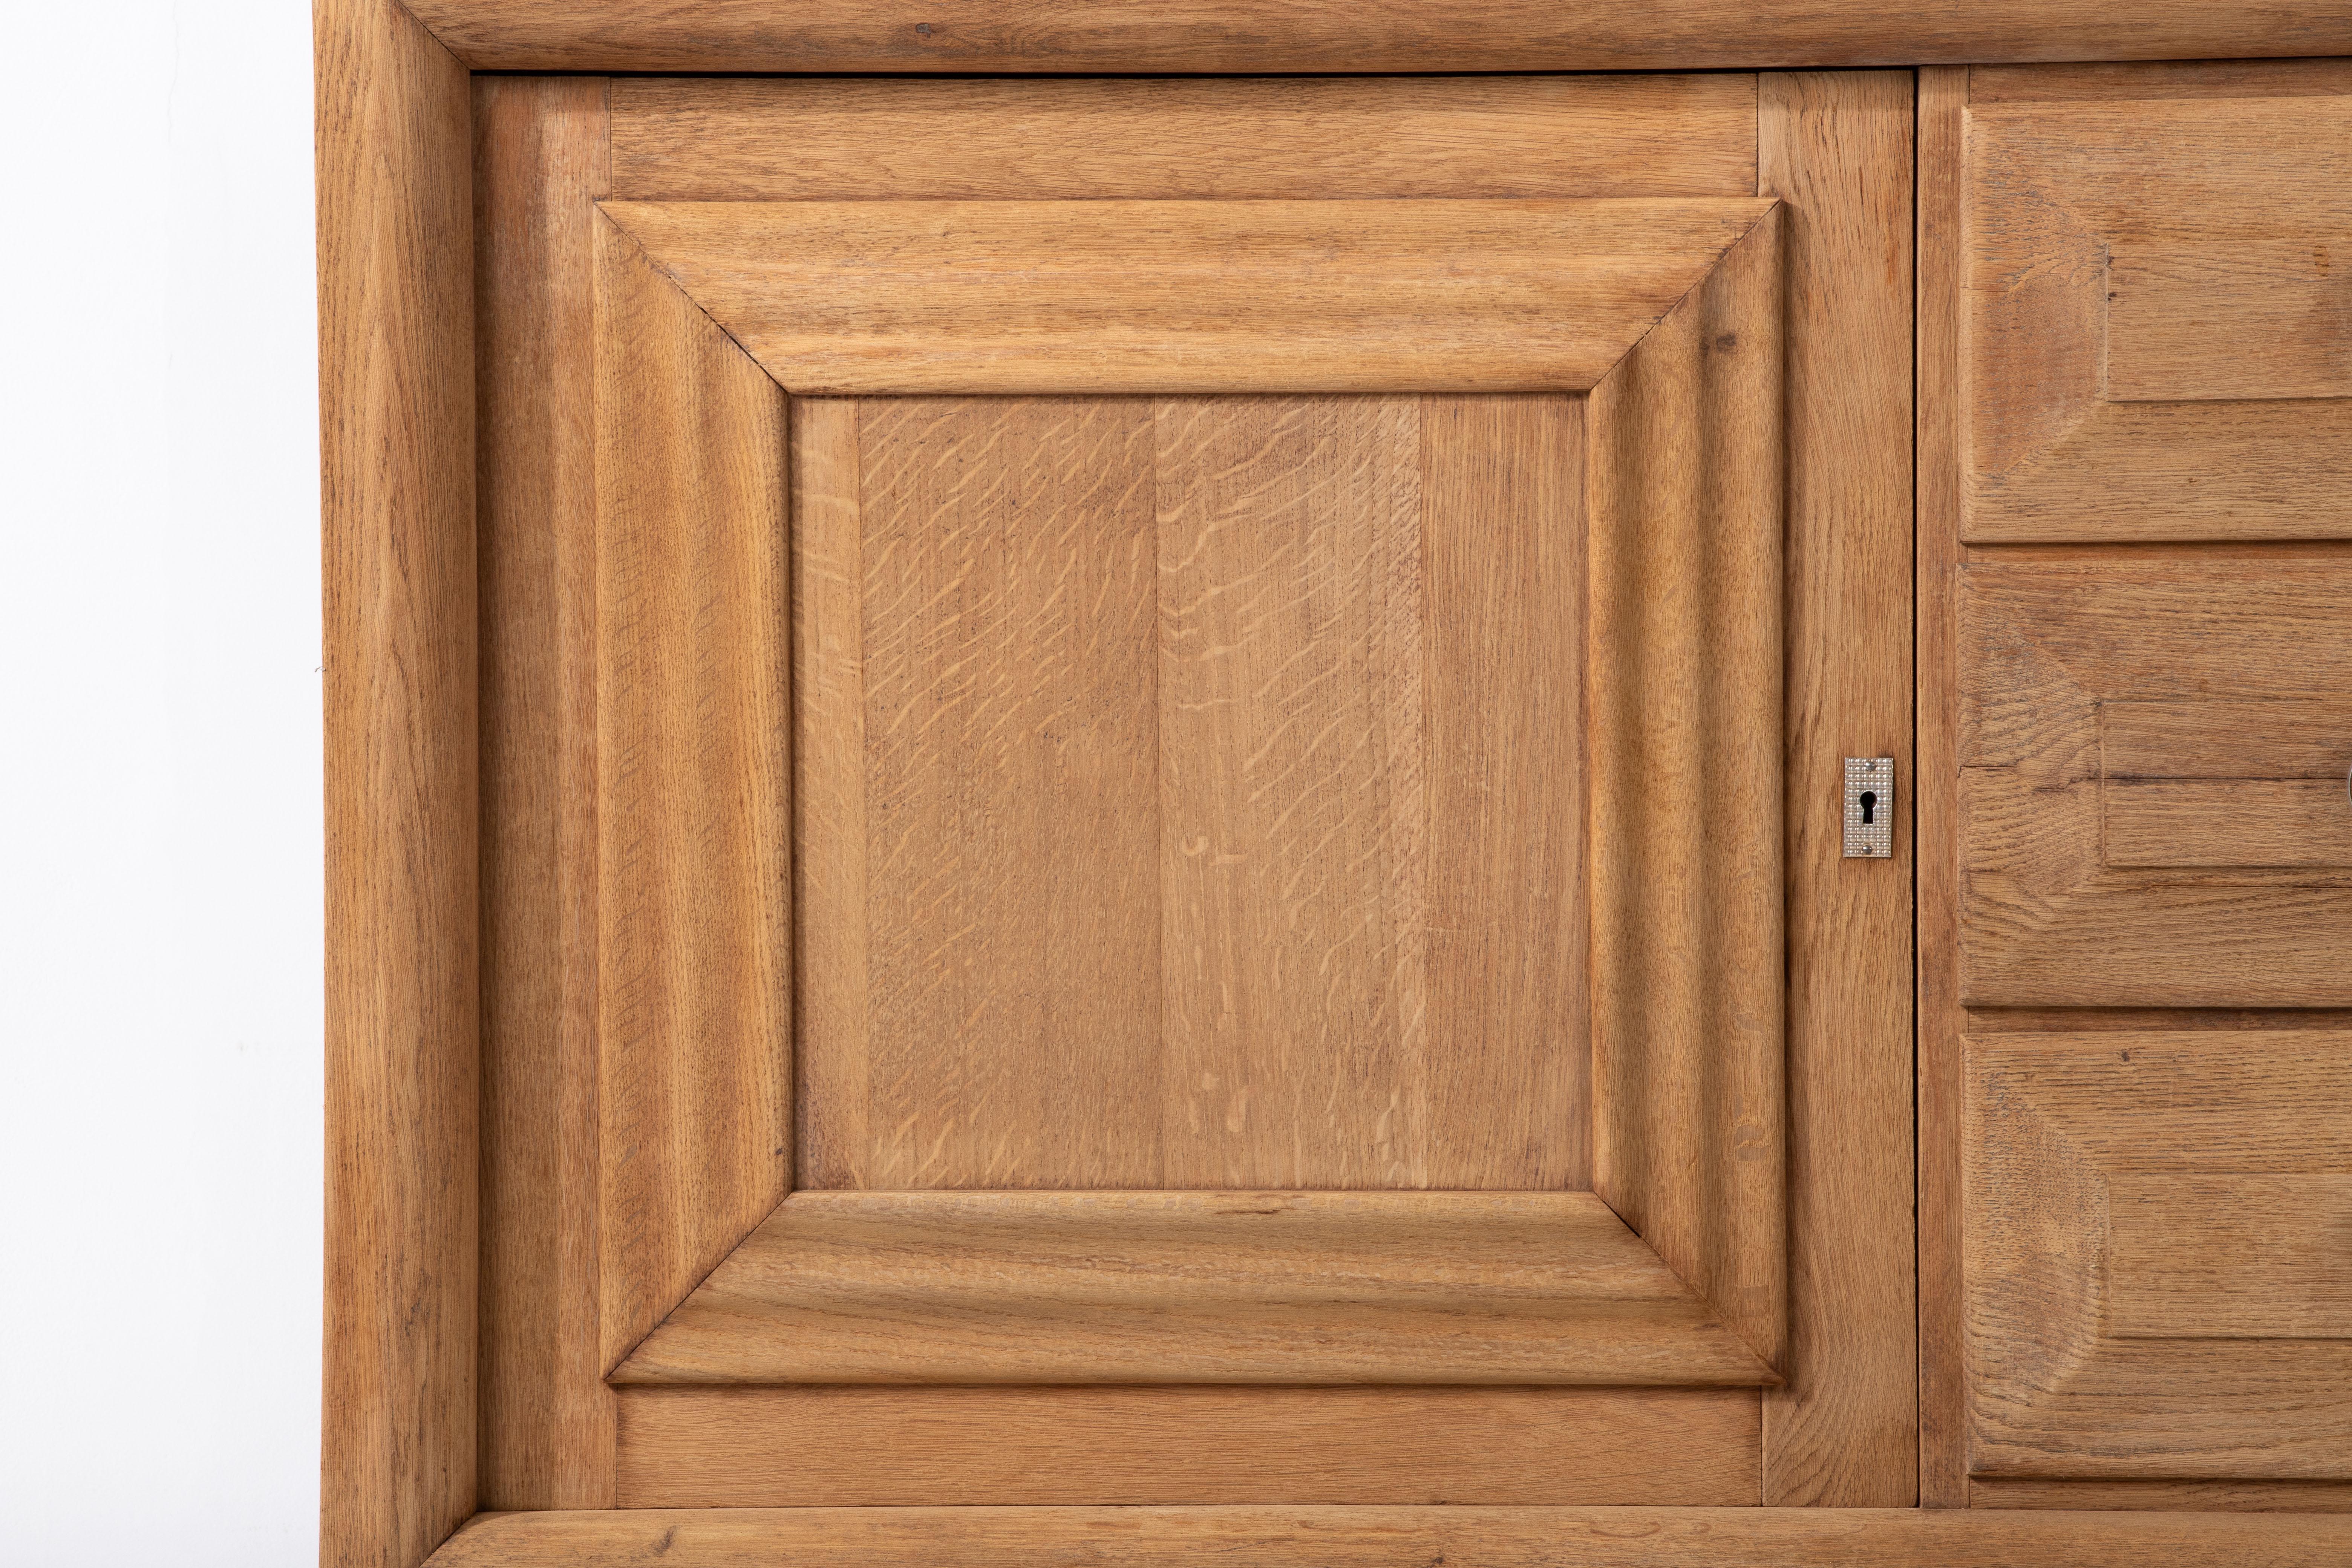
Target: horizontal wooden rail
1240,37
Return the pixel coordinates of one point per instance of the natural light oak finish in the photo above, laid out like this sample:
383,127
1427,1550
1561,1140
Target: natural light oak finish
1835,147
693,781
1233,139
1171,1286
2051,916
396,375
1116,714
2160,347
2096,1162
2234,1254
1943,1433
1394,1537
2194,1497
546,1414
1187,297
763,1447
986,37
2180,785
1685,700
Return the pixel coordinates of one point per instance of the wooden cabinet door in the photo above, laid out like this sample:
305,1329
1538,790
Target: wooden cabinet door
2140,473
1162,808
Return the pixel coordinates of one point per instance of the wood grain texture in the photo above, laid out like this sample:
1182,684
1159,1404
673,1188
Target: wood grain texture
1210,1287
1298,862
2232,1254
539,166
396,454
1394,1537
2050,916
693,756
2095,1159
1238,36
1371,791
765,1448
1140,139
1187,297
1190,794
1688,989
1943,1427
2160,330
2213,783
2194,1497
1000,1023
2079,82
1837,150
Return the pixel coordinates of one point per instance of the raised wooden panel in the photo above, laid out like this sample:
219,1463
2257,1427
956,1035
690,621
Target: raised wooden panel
1191,792
2158,296
2237,1255
1171,1286
781,1446
1188,297
2157,1225
699,139
2222,783
693,778
2197,865
1685,702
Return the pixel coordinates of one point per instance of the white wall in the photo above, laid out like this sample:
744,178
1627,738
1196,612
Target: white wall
159,863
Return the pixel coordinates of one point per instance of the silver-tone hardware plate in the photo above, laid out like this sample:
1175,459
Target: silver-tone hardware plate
1869,809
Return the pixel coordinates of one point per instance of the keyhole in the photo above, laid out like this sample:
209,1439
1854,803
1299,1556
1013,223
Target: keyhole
1869,803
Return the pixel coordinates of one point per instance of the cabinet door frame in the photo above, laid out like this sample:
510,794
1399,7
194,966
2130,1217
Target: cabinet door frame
395,241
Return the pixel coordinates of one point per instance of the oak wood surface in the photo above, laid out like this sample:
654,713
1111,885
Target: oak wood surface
1234,139
1684,486
2216,782
2230,1255
1239,37
2091,82
1836,148
693,781
760,1448
395,378
1395,1537
2194,1497
2137,1306
1943,1462
1187,297
2051,916
1171,1286
546,1416
2158,334
1120,716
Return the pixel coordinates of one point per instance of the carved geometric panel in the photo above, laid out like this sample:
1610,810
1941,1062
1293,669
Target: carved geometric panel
2158,320
2158,1230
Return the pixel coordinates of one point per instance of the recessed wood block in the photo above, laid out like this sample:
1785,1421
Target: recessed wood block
2220,782
2156,1229
2158,296
1204,297
2152,782
1171,1286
